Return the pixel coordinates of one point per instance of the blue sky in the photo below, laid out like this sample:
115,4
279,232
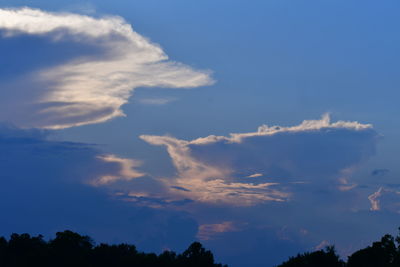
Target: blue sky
163,133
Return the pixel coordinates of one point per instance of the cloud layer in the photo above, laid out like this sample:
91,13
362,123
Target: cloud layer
88,88
43,189
256,167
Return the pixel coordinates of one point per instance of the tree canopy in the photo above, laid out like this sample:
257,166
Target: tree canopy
383,253
72,249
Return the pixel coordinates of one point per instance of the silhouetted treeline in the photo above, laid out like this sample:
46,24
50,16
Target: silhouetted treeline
74,250
383,253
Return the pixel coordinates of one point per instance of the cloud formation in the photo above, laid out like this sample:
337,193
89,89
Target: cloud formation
210,231
156,101
43,189
216,169
207,183
385,200
88,88
127,170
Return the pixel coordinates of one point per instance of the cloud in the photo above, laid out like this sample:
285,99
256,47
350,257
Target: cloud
385,200
151,211
156,101
127,171
214,169
307,125
206,183
374,199
44,189
379,172
210,231
87,88
255,175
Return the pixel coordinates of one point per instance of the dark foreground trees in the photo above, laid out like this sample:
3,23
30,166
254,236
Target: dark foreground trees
71,249
383,253
320,258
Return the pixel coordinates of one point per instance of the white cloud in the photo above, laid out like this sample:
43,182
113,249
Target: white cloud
156,101
374,199
306,125
210,183
255,175
385,199
215,169
127,170
88,89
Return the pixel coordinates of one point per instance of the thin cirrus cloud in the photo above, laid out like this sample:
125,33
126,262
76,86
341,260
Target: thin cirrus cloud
216,169
156,101
255,175
87,88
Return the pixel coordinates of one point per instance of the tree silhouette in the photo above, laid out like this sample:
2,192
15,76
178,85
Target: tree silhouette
24,250
320,258
383,253
72,249
197,256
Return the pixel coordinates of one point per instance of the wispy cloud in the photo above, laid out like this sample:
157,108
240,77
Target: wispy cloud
210,231
88,89
385,199
210,169
127,170
210,183
156,101
255,175
306,125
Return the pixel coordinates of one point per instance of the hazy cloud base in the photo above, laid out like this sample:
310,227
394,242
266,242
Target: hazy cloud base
43,189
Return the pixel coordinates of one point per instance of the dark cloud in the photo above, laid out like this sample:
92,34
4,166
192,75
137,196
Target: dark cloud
379,172
43,189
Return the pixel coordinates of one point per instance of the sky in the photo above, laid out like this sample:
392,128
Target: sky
260,128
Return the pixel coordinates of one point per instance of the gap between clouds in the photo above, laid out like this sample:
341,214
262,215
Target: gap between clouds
86,89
